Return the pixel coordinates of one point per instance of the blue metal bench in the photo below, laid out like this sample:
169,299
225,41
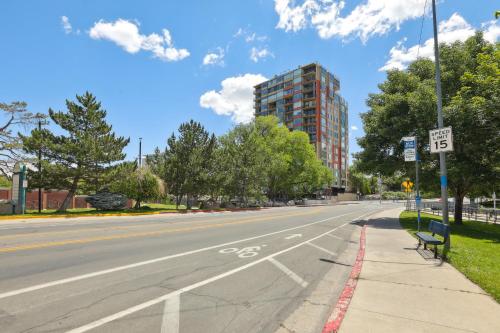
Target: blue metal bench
435,228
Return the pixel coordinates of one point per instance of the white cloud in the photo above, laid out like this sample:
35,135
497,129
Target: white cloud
66,25
294,18
126,35
491,31
354,128
250,36
371,18
256,54
235,99
239,33
451,30
214,58
254,37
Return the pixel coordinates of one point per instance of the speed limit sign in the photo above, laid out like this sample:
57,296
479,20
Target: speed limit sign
441,140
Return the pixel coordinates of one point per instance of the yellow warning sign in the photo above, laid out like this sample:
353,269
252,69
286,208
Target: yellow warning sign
407,185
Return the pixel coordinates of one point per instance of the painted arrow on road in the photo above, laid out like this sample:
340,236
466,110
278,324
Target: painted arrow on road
293,236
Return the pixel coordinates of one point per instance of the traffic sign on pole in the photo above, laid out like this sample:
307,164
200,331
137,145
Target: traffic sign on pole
410,148
441,140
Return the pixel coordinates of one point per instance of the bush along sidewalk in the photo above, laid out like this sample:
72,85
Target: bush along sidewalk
475,249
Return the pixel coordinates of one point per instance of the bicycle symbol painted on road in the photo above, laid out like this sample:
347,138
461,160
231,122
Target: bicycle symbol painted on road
246,252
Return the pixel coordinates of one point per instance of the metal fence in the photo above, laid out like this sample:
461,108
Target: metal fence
469,212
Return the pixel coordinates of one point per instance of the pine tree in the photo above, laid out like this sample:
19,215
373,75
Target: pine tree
80,157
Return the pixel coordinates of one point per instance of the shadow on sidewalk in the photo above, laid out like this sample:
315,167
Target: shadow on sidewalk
334,262
393,224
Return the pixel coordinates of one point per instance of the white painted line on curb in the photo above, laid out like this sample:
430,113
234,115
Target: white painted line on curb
303,283
322,249
148,262
170,320
160,299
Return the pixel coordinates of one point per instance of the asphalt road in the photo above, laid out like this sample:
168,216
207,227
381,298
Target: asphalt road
221,272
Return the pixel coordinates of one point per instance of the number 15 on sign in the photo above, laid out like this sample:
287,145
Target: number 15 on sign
441,140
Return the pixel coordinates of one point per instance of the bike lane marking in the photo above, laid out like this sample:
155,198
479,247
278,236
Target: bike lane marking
148,262
178,292
171,312
292,275
322,249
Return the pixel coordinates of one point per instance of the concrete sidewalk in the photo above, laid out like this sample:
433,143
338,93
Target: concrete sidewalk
400,291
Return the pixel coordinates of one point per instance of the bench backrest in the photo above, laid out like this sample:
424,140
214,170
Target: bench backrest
439,228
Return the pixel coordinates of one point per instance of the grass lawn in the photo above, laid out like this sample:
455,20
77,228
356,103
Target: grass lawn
145,209
475,249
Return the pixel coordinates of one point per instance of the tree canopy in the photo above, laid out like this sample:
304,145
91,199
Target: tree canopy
406,105
15,116
79,157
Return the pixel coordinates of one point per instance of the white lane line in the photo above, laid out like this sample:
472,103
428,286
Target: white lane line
335,236
322,249
160,299
148,262
303,283
170,321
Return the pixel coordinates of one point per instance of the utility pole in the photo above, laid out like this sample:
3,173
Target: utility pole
40,172
140,153
417,191
442,156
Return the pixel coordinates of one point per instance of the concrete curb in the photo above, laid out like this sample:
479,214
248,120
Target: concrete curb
335,320
24,217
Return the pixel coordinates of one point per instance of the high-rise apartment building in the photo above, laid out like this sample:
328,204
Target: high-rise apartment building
306,99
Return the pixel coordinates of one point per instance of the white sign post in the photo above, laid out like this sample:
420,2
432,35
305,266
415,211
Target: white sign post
441,140
410,149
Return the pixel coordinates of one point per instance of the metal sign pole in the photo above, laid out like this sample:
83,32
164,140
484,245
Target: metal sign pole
442,157
40,173
417,191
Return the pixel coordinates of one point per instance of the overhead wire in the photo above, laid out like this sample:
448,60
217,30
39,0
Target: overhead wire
421,29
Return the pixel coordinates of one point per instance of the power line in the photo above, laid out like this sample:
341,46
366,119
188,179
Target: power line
421,28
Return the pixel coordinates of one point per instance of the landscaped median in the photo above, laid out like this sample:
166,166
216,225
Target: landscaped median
149,209
475,249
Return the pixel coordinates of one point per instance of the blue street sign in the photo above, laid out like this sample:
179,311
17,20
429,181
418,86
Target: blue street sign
409,144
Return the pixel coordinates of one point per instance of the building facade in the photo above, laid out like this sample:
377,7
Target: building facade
306,99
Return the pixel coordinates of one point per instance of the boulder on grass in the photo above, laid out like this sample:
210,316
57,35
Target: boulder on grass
107,201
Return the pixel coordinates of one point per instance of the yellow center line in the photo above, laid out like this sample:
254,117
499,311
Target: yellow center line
141,234
147,224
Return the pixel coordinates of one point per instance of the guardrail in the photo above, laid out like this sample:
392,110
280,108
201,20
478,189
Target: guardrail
469,212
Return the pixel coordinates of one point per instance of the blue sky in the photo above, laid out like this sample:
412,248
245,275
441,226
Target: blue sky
150,80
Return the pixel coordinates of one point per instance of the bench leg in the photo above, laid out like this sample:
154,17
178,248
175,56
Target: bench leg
425,246
435,251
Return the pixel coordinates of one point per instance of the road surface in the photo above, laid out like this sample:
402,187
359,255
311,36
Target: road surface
250,271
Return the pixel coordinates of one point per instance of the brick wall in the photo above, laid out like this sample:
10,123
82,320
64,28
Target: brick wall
51,199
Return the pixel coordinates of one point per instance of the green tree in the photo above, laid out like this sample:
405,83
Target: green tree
406,105
243,163
288,161
15,116
81,156
186,161
139,184
474,165
358,181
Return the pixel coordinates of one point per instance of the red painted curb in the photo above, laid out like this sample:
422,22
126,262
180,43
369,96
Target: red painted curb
335,320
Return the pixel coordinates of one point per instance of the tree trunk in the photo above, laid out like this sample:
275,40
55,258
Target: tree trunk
177,201
459,203
188,201
137,204
69,197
